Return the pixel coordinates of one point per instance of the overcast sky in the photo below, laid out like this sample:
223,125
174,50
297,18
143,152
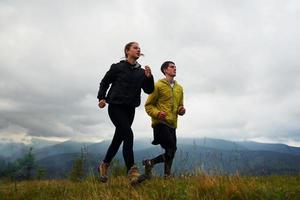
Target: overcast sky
237,60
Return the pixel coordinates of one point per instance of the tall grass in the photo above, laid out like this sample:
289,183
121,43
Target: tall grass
200,186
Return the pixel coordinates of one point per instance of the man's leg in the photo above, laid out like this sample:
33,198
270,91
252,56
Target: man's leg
166,136
170,150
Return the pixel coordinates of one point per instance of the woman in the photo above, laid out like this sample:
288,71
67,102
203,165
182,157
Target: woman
127,78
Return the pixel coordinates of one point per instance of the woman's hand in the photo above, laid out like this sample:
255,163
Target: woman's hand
148,71
102,103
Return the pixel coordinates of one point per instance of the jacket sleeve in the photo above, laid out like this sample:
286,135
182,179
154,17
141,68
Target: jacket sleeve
181,99
150,104
105,82
148,85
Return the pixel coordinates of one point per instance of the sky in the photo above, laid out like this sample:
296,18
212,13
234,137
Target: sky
238,62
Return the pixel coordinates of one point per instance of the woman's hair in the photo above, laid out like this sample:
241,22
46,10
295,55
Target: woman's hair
165,65
127,47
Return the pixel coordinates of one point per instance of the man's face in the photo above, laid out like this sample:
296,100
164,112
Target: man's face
171,70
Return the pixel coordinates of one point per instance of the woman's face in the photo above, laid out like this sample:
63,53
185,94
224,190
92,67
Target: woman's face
134,51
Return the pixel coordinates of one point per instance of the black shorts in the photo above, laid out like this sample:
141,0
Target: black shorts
165,136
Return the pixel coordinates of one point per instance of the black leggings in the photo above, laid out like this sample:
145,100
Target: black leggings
122,117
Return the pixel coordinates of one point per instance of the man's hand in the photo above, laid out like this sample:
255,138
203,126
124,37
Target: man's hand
102,103
148,71
181,110
162,116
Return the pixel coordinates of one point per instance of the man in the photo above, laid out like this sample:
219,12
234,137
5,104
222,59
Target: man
164,105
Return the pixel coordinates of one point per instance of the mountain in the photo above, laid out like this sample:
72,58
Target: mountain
281,148
206,154
212,143
239,145
190,159
258,162
61,148
142,143
59,166
98,148
13,151
101,147
41,143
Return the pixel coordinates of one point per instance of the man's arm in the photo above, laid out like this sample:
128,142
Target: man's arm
181,109
150,104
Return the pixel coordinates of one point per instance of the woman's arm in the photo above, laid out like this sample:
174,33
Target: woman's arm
105,82
148,84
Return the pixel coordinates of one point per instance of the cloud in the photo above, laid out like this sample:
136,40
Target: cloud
237,60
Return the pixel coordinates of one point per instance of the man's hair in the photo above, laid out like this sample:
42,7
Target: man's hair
165,65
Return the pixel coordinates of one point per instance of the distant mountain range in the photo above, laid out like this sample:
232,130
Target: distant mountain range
193,154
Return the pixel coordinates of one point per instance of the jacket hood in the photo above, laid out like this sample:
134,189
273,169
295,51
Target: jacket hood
166,82
136,65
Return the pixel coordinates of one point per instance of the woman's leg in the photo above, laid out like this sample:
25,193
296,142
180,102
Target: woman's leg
122,117
116,114
128,137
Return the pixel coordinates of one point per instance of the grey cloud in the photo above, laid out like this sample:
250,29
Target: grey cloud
237,60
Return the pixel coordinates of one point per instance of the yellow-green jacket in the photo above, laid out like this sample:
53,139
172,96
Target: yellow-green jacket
165,98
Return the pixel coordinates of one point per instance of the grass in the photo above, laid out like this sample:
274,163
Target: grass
194,187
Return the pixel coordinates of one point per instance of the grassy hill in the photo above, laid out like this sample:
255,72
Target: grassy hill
200,186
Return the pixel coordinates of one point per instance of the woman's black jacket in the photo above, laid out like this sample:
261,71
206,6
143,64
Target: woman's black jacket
126,81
